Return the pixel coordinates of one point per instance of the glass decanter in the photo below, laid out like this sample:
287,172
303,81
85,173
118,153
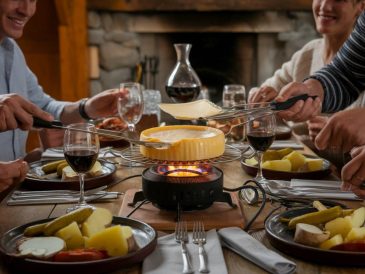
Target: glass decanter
183,85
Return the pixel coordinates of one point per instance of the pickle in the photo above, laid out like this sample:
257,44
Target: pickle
34,230
317,217
78,215
284,220
319,206
60,168
346,212
52,166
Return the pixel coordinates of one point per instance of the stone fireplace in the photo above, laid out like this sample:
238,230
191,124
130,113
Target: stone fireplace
242,47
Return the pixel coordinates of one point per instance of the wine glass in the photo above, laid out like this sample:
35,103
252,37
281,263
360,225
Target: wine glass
81,149
260,130
130,107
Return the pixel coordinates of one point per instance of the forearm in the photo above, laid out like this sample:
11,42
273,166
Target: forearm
70,114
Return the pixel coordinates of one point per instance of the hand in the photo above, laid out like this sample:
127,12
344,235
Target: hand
262,94
353,173
17,112
104,104
315,125
343,130
301,110
12,172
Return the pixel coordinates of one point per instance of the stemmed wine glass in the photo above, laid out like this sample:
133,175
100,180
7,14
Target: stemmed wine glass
81,149
260,130
130,107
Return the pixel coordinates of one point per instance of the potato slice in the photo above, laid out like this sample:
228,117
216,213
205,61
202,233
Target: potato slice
297,160
335,240
339,226
314,164
358,217
270,155
97,221
355,234
71,234
111,239
285,151
278,165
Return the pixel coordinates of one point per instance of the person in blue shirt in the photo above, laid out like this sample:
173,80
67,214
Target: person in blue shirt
16,79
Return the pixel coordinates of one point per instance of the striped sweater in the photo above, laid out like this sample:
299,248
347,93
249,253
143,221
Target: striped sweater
344,78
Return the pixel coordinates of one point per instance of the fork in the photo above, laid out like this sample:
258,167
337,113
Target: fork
199,238
181,236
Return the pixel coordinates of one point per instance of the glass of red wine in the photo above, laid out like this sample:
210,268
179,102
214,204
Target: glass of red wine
260,130
81,149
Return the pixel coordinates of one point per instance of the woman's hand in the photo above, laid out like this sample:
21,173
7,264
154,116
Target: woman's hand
315,125
12,172
262,94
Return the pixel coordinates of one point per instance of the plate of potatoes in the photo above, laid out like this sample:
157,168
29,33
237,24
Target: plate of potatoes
287,164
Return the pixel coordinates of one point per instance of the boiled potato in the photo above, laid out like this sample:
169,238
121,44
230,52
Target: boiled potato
355,234
339,226
279,165
297,160
335,240
313,164
285,151
72,236
96,222
270,155
111,239
358,217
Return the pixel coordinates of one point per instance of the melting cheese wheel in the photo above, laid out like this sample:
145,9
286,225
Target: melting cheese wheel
189,143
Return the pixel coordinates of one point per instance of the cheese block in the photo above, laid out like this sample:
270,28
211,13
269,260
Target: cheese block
189,143
68,173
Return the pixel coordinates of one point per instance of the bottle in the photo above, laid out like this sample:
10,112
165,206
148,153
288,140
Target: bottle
183,85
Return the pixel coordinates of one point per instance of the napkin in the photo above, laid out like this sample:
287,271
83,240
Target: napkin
167,258
245,245
286,143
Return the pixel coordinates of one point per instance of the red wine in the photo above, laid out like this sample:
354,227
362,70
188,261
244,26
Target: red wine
81,160
183,94
260,141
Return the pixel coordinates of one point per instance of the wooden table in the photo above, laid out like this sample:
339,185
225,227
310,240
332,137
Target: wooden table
11,216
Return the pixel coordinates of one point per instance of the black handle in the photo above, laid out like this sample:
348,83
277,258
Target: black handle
290,102
40,123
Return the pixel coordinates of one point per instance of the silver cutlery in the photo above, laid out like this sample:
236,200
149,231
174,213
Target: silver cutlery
199,238
181,236
58,191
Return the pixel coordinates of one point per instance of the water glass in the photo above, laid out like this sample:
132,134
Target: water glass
234,95
152,99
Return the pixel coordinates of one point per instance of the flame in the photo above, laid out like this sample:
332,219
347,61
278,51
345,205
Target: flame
184,170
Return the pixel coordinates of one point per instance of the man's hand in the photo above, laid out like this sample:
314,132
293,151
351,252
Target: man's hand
12,172
344,130
301,110
17,112
353,173
104,104
262,94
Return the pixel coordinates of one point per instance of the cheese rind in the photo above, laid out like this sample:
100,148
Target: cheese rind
189,143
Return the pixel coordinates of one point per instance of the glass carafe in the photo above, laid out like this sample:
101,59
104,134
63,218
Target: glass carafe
183,85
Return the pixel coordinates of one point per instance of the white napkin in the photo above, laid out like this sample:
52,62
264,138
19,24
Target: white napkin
167,256
278,144
245,245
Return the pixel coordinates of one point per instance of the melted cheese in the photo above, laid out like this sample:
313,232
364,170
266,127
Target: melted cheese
189,143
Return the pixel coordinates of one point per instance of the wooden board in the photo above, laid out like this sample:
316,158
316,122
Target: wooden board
217,216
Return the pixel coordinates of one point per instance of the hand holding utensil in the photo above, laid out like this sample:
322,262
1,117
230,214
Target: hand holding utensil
199,238
181,236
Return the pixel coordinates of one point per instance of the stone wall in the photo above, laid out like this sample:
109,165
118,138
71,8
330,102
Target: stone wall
119,50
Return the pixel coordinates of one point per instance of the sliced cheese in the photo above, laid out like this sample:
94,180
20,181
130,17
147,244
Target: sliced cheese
189,143
192,110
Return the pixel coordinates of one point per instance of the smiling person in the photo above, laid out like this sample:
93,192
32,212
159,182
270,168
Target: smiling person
335,20
17,78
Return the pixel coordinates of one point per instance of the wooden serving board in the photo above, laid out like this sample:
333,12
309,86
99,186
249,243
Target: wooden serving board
219,215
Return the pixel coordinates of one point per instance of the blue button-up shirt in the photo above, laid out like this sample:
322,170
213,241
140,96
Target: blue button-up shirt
16,77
